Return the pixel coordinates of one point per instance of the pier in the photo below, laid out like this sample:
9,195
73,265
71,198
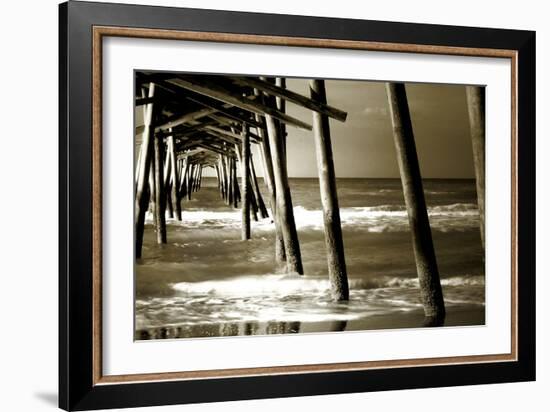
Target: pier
195,122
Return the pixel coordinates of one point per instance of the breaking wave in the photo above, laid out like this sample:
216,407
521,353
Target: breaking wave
287,298
375,219
294,284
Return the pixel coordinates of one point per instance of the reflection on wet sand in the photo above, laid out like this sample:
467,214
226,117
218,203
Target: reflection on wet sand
226,329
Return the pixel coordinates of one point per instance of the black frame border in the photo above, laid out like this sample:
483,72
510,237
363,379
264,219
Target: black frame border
76,388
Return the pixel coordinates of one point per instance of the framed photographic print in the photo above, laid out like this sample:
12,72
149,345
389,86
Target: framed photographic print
257,205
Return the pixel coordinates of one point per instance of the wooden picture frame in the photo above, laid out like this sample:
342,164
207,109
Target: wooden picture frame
83,26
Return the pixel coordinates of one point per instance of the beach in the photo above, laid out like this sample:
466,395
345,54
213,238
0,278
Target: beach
206,282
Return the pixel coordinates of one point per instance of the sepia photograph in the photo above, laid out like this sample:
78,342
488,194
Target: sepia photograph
260,205
278,205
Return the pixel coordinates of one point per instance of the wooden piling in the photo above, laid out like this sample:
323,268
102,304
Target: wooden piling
184,179
142,192
219,179
168,200
269,180
329,199
245,203
281,106
256,190
283,199
475,96
426,263
152,185
236,190
221,173
190,176
253,201
160,195
167,184
231,184
196,178
176,205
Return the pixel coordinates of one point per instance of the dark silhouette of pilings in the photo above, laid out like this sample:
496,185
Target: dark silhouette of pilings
231,180
144,168
245,171
189,184
236,190
160,195
426,263
475,96
256,190
329,198
281,106
167,181
175,194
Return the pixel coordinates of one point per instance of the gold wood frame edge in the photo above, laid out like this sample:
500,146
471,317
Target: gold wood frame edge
101,31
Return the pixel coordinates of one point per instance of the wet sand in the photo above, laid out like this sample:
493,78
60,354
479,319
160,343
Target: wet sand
468,315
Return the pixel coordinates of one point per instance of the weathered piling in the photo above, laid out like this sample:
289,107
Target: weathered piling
426,263
281,106
269,180
221,173
236,190
329,198
138,169
142,191
475,96
167,183
245,203
283,199
160,195
256,190
176,205
197,178
152,185
168,200
184,180
219,179
253,201
225,170
190,180
231,174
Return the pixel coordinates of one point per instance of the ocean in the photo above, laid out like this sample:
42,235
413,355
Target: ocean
206,282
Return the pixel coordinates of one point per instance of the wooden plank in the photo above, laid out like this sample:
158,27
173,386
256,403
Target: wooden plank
185,118
291,96
201,99
183,131
213,148
220,107
215,91
145,100
231,133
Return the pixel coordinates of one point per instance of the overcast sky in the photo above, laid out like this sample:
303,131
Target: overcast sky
363,144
